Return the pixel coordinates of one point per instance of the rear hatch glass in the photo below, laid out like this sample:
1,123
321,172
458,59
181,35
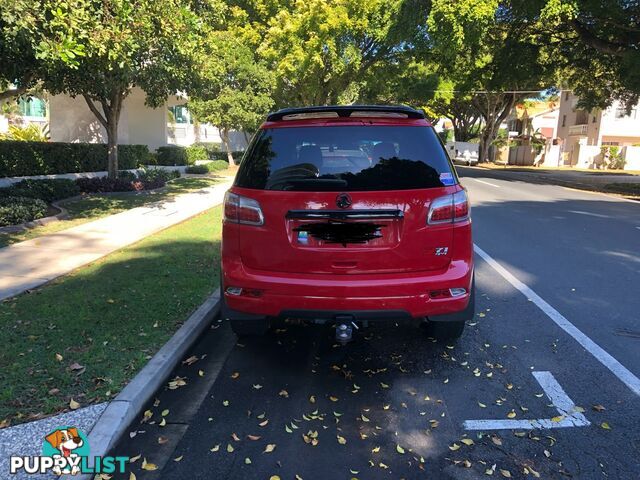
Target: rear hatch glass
346,158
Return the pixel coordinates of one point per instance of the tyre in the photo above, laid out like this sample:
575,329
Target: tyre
445,330
250,327
451,327
243,324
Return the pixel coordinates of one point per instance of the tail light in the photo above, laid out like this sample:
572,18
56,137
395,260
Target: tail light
448,209
244,210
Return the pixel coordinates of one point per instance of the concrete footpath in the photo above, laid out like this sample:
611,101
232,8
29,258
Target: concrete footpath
26,265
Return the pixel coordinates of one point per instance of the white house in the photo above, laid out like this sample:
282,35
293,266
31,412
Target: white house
581,134
70,120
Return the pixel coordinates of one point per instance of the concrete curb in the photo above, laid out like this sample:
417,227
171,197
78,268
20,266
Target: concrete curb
120,412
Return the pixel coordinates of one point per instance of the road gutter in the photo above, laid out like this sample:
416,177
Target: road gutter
129,404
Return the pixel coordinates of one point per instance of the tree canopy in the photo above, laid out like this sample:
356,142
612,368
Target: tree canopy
238,95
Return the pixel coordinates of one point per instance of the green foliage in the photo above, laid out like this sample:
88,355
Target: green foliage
613,157
16,210
119,45
28,133
490,55
46,158
213,166
197,169
238,96
48,190
596,49
172,155
196,152
320,50
154,174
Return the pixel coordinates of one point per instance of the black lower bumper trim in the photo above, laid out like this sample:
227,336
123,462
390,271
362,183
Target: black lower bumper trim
354,314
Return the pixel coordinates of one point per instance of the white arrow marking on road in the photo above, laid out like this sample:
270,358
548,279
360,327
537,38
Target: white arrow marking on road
565,406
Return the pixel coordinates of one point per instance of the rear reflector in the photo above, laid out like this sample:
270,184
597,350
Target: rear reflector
449,209
244,210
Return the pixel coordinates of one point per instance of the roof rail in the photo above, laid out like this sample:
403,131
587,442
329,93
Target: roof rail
344,111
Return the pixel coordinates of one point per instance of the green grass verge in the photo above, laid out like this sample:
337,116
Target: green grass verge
108,317
96,206
624,188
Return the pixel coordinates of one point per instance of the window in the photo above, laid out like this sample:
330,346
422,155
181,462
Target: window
32,107
345,158
180,114
621,112
564,120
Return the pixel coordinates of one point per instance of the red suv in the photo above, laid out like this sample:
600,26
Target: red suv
347,214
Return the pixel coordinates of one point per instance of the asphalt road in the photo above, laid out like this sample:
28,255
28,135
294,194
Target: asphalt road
394,404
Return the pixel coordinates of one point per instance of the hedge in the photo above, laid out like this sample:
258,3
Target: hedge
237,156
45,158
213,166
48,190
175,155
15,210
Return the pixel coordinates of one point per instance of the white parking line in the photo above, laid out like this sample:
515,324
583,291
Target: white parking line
580,212
620,371
569,415
487,183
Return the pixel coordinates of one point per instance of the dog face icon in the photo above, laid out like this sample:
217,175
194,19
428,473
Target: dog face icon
65,440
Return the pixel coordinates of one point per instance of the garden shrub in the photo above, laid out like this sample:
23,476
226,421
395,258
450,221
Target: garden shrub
172,155
105,184
214,166
237,156
153,174
48,190
197,169
217,165
195,152
46,158
15,210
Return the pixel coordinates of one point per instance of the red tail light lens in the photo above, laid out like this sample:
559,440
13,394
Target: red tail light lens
449,209
244,210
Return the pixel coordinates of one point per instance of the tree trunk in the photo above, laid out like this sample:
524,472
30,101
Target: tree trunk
109,118
494,109
112,147
224,135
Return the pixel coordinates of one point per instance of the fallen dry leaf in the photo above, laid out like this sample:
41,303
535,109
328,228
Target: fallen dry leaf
505,473
467,441
399,449
73,405
269,448
254,437
148,466
341,440
178,459
135,459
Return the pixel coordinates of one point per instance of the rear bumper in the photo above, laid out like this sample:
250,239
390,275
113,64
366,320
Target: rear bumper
361,296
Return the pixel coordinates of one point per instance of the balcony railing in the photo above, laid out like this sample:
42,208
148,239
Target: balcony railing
580,130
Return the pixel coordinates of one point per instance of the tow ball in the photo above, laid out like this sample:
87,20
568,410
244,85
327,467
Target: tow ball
344,331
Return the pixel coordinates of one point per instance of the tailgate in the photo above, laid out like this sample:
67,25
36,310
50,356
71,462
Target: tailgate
380,232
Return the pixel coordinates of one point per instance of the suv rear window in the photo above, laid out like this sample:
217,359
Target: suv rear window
345,158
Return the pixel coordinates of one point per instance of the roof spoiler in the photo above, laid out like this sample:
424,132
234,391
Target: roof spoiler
345,111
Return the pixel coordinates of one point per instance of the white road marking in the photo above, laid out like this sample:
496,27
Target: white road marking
570,417
580,212
619,370
615,197
487,183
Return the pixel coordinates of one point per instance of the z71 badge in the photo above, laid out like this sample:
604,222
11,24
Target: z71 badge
441,251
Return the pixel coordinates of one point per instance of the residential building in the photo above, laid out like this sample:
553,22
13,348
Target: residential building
533,117
70,120
581,133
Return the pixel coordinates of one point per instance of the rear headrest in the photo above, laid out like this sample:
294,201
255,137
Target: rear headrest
382,150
